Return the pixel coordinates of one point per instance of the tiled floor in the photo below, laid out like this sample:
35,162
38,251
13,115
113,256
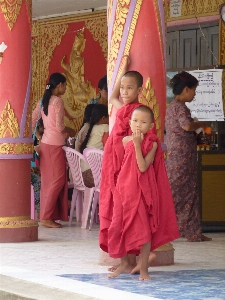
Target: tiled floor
68,259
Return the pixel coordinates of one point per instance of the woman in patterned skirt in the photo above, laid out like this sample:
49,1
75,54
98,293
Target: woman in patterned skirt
182,157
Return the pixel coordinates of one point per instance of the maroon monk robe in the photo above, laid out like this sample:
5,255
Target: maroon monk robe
111,165
143,205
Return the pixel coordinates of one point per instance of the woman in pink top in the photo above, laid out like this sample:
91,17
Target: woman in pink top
54,190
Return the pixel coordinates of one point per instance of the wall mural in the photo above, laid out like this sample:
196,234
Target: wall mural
77,47
78,92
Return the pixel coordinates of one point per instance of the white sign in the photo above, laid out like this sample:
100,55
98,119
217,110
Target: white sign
175,8
208,104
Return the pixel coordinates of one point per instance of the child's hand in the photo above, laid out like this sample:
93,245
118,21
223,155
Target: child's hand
125,61
137,137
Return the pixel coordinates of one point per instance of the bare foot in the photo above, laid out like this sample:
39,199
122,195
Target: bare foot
112,269
57,223
50,224
128,269
144,275
205,238
151,258
122,268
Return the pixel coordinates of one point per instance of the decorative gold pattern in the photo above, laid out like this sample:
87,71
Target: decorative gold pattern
37,79
11,10
192,8
28,120
109,11
52,37
56,29
118,26
148,98
17,222
8,123
99,32
17,218
16,148
78,92
127,46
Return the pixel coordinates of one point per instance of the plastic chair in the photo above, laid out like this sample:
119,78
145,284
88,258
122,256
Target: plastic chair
94,159
74,158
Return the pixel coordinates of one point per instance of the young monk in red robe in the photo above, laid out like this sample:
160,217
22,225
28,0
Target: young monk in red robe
129,85
114,150
143,214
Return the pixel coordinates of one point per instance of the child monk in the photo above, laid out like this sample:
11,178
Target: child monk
143,216
129,86
114,150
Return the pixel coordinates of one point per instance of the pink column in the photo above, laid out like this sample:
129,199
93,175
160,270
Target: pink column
16,144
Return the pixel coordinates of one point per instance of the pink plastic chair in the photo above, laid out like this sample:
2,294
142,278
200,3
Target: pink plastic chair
94,159
74,158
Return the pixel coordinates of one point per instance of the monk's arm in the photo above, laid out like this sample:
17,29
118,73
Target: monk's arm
144,162
114,98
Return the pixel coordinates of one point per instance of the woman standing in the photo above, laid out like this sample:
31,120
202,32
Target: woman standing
54,190
182,157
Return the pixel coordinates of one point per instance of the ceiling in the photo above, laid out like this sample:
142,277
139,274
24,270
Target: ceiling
53,8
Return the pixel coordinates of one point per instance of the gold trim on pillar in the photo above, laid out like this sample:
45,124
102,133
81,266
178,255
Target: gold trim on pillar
17,222
9,126
118,27
148,98
131,31
99,32
109,11
116,40
17,148
11,10
28,120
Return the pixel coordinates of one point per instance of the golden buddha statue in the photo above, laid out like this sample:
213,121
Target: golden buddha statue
78,92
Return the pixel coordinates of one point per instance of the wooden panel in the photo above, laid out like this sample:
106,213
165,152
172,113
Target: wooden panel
213,160
202,48
213,34
207,39
187,49
172,50
213,196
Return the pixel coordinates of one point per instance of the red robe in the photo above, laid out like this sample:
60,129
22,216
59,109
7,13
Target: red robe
111,165
143,205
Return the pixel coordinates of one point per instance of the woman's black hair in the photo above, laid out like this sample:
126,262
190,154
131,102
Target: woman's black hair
87,114
102,84
181,80
54,80
99,111
40,123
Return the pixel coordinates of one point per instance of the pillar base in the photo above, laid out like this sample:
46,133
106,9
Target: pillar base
19,235
164,257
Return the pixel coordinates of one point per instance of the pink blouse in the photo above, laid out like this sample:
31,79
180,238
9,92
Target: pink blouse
53,122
